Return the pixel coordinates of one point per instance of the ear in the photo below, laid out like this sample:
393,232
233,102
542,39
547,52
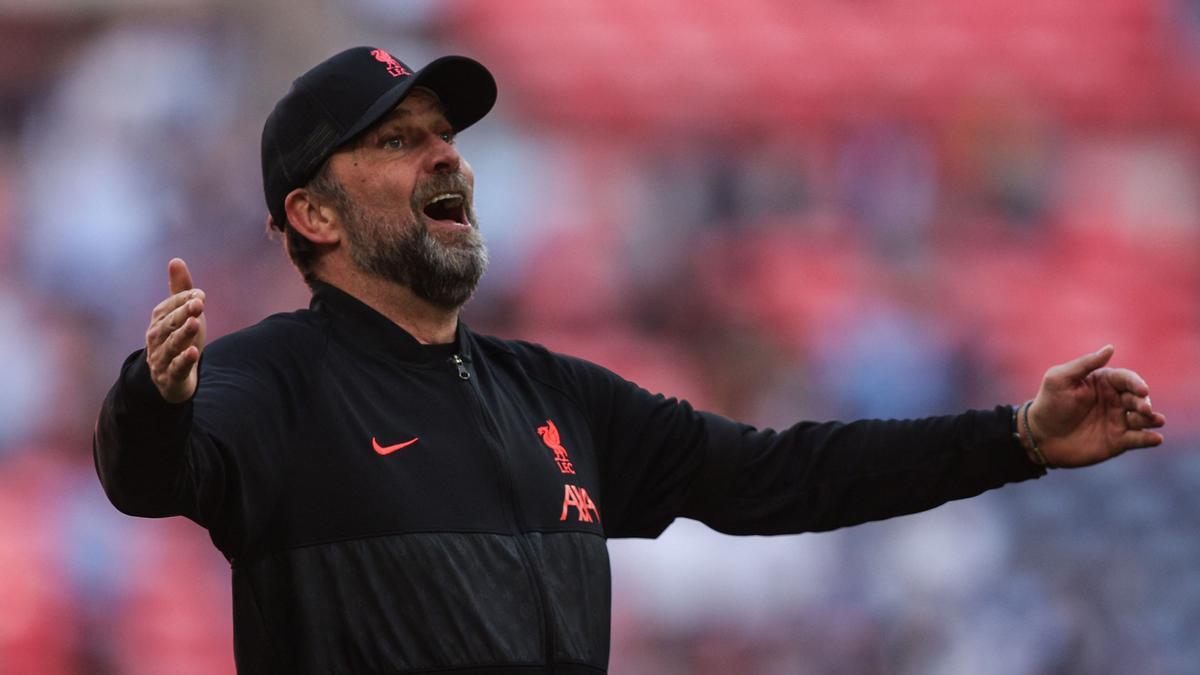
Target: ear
315,221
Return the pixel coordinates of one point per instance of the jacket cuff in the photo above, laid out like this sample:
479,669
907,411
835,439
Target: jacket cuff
141,395
1014,461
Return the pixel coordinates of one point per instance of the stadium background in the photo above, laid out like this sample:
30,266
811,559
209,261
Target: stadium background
776,209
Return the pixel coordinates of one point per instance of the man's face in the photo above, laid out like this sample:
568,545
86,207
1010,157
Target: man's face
406,204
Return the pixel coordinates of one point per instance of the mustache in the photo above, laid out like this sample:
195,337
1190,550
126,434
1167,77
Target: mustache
436,185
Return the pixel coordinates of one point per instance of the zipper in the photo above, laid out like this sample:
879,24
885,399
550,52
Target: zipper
515,520
463,373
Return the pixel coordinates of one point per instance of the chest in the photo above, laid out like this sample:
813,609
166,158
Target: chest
465,445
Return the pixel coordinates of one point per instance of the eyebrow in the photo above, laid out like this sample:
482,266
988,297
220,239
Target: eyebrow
397,115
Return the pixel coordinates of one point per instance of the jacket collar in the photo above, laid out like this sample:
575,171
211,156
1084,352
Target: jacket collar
358,324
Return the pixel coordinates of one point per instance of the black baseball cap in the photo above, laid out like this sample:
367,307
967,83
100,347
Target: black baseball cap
342,96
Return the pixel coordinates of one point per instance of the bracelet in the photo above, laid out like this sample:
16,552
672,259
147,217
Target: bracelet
1039,458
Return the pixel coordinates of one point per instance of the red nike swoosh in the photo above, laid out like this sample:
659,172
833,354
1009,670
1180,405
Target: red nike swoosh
389,449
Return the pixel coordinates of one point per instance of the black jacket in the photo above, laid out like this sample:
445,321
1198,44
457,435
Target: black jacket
392,507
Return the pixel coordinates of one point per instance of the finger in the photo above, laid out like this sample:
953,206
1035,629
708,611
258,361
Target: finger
178,276
1079,368
177,317
1131,440
1131,402
179,340
162,328
181,366
1124,380
174,300
171,347
163,336
1137,420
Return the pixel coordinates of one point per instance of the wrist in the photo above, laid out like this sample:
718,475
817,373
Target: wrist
1025,435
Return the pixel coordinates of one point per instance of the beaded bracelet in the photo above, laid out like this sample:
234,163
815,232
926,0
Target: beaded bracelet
1037,452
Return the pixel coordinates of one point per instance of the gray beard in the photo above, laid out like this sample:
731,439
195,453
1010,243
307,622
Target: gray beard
443,274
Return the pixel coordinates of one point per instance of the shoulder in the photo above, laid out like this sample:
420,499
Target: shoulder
529,355
551,367
280,338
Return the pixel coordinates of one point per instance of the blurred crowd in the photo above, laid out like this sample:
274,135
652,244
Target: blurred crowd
777,210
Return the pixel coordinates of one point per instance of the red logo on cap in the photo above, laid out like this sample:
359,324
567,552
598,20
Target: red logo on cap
394,67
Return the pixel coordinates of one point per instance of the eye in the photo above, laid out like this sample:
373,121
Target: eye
394,142
447,136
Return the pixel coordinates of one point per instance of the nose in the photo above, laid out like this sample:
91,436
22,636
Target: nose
444,157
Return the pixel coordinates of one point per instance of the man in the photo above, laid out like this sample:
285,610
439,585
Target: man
396,493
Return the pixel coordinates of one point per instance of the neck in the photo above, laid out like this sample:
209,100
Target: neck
429,324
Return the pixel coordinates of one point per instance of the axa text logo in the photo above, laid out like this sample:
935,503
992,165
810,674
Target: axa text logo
584,506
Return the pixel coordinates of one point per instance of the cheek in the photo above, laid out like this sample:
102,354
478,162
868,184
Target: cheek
383,190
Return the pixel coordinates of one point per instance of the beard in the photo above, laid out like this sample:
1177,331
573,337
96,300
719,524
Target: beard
443,271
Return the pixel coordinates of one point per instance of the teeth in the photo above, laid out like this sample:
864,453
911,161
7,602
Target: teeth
443,197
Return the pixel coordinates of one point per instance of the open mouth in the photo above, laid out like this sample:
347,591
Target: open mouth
449,206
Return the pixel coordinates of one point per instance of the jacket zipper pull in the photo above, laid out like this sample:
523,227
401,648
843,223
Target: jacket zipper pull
463,373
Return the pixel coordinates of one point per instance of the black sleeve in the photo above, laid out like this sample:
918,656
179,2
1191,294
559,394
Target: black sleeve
661,459
140,445
207,458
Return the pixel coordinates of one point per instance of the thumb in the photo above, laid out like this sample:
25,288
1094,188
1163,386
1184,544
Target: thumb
1079,368
178,276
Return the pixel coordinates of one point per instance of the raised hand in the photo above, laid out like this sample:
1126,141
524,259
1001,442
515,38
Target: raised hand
1085,413
175,337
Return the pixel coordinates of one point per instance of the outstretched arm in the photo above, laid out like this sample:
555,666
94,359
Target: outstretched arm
1086,413
176,435
142,431
664,460
660,459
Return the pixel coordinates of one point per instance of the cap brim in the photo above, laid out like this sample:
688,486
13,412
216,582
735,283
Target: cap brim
465,87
